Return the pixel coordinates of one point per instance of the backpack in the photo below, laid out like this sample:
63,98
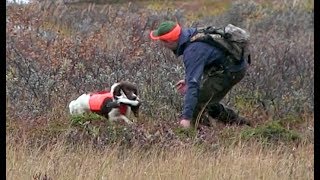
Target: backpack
232,40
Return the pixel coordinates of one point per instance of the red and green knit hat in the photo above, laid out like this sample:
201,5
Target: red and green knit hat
167,31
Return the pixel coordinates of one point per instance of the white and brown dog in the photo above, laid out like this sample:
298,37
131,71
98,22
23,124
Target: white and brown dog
115,104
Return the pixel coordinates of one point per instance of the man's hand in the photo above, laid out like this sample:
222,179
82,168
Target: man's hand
185,123
181,87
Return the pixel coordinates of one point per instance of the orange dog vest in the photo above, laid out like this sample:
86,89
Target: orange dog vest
96,100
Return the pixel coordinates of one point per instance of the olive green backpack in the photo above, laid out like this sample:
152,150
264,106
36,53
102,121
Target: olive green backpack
231,39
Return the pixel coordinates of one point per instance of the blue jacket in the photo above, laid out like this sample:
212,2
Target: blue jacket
196,56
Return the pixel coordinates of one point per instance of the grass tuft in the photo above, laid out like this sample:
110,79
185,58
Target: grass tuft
272,131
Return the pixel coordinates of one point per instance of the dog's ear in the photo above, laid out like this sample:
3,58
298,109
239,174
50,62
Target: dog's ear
116,89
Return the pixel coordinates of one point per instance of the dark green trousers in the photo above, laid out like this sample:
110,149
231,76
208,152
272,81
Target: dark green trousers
215,85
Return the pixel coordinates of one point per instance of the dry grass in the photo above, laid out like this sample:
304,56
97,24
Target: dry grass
241,161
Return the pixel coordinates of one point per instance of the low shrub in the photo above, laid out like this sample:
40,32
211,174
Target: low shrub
272,131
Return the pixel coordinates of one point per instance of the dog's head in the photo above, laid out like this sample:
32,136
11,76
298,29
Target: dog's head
128,91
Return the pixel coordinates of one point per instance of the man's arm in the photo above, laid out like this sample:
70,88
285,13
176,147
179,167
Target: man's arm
194,60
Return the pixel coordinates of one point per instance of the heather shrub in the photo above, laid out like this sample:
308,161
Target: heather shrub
62,50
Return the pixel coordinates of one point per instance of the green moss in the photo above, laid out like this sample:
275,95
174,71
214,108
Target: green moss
272,131
81,119
185,133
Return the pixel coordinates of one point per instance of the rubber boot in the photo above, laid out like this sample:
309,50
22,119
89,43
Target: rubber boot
227,115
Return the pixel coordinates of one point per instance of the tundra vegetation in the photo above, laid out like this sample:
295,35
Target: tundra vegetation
57,50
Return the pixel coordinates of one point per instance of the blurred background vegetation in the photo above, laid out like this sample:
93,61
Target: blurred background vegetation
57,50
